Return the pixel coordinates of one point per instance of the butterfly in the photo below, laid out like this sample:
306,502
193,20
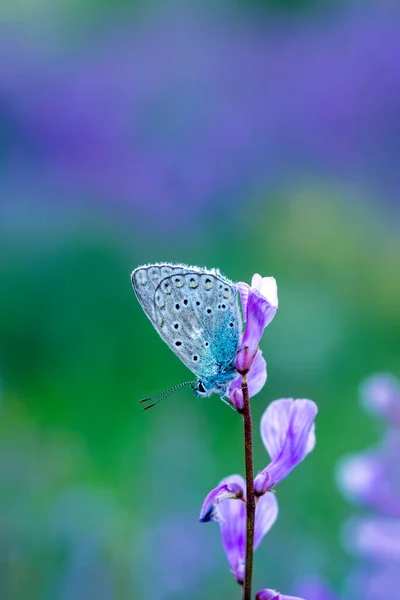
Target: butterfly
196,312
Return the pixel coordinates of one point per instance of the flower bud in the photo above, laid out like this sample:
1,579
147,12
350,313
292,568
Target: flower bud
261,484
236,399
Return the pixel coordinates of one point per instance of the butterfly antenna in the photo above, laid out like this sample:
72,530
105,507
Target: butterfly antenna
163,395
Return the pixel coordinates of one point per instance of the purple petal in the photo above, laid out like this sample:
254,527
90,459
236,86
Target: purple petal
288,420
266,514
209,510
358,476
380,394
256,378
374,537
267,288
373,477
275,424
259,313
233,529
233,525
268,595
287,430
274,595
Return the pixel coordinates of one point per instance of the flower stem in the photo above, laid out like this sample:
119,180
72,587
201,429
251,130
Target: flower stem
250,505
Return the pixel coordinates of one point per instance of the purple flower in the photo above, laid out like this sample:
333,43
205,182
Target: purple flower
256,378
374,537
259,304
358,475
288,433
380,394
373,478
273,595
232,521
287,429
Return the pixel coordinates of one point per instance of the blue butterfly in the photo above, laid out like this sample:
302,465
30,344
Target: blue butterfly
196,312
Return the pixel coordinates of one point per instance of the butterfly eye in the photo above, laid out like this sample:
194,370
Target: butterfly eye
201,388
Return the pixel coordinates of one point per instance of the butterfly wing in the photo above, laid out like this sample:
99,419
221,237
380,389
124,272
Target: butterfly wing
195,311
145,281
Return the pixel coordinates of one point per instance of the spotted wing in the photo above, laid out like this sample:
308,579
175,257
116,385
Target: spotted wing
145,281
195,311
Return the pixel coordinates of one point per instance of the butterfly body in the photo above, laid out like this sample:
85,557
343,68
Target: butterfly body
196,313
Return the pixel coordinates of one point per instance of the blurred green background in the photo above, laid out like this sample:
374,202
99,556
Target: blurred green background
251,137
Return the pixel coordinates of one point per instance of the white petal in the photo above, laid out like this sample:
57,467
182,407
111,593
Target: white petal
256,282
269,290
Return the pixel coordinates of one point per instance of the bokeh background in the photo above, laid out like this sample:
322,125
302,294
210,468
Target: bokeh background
252,136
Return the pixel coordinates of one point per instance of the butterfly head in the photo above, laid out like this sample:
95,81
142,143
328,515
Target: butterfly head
217,384
200,390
